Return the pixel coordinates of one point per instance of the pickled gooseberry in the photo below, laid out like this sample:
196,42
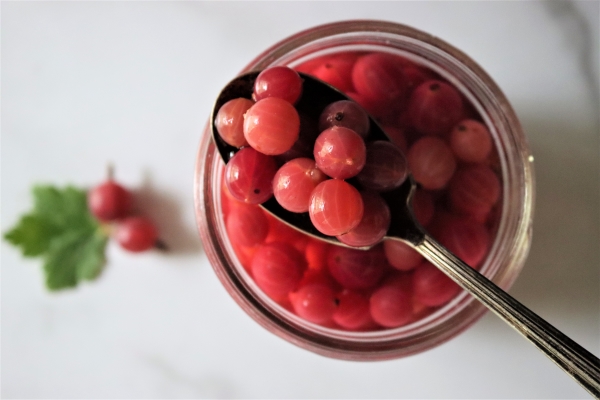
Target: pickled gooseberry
385,167
336,70
431,286
271,126
353,310
277,269
281,82
431,162
340,152
335,207
347,114
474,190
374,224
294,183
315,302
230,121
240,218
470,141
356,269
468,239
391,304
379,77
249,176
435,107
401,256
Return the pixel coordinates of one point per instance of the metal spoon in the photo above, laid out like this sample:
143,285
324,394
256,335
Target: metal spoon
583,366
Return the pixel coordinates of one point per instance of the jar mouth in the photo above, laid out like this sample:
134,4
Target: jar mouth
506,256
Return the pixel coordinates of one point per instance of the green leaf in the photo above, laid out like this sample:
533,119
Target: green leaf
65,209
74,256
93,257
32,234
61,229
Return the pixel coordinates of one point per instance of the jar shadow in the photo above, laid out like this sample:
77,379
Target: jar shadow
165,210
561,273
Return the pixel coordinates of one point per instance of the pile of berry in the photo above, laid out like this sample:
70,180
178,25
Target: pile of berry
317,166
110,202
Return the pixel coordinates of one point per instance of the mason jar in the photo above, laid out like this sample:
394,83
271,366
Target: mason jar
512,228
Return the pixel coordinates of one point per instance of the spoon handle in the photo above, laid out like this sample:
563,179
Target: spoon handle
576,361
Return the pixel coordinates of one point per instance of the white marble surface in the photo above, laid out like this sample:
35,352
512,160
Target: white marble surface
84,83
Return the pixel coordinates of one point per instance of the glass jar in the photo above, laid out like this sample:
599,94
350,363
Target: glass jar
508,251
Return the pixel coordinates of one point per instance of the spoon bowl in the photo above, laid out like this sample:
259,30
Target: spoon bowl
580,364
316,95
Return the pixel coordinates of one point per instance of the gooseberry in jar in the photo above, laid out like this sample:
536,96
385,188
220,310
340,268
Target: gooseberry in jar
435,107
423,206
401,256
353,310
431,286
356,269
336,70
243,216
468,239
314,302
431,162
385,167
379,77
474,190
391,304
470,141
277,269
